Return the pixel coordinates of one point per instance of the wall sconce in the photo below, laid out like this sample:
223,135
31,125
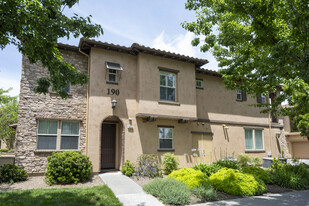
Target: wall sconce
114,103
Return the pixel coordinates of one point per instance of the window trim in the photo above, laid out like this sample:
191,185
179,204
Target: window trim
58,136
239,92
113,74
166,127
199,87
166,86
253,136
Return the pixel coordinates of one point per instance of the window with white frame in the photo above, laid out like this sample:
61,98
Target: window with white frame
50,132
165,138
238,94
254,139
167,86
113,70
199,83
263,98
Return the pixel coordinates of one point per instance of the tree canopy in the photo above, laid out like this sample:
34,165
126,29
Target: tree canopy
261,47
8,116
34,26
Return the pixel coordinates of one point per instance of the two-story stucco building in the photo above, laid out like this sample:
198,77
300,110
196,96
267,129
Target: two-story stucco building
139,100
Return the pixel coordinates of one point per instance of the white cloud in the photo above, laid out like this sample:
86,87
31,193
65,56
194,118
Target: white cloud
6,83
179,44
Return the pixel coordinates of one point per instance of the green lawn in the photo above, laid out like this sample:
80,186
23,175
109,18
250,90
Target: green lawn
97,195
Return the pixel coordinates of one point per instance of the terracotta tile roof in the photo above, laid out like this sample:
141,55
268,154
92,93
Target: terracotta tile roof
208,72
86,44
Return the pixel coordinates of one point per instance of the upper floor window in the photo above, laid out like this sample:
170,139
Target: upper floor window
254,139
241,95
113,72
199,83
166,137
67,88
52,131
261,99
168,86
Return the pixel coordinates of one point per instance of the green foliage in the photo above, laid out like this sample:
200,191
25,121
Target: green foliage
276,165
227,163
260,173
170,163
207,169
34,28
10,173
234,182
4,150
68,167
191,177
128,168
291,176
205,193
94,196
8,116
169,191
260,45
147,165
245,160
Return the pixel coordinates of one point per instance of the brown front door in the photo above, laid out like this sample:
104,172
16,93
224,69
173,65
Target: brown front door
108,146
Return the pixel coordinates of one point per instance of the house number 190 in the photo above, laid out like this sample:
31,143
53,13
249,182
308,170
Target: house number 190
113,91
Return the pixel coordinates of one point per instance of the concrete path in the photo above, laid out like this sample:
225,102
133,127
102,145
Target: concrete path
286,199
127,191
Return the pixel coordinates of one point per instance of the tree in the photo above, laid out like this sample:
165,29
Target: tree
34,27
261,47
8,116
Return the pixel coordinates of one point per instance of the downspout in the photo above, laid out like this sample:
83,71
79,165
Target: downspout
87,110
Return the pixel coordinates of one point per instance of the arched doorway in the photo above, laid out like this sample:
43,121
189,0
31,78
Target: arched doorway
112,141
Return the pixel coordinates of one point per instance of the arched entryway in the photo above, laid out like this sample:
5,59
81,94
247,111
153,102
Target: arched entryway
112,143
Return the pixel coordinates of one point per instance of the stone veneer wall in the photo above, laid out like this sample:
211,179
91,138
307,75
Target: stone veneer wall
34,106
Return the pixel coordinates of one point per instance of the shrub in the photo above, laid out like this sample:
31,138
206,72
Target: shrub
4,150
255,161
170,163
234,182
192,178
128,168
259,173
243,160
68,167
205,193
10,173
207,169
228,164
169,191
291,176
276,165
147,165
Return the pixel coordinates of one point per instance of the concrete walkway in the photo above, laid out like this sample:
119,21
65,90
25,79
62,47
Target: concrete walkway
127,191
286,199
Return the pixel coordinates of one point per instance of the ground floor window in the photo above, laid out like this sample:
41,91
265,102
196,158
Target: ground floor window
254,139
166,137
50,132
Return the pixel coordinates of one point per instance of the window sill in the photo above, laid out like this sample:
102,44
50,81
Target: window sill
50,151
254,151
199,87
169,102
108,82
166,150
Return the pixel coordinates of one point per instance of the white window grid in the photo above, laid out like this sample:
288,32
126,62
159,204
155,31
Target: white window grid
166,81
253,139
166,138
199,83
238,94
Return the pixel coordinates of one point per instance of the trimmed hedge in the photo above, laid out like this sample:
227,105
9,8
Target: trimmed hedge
260,173
192,178
68,167
10,173
169,191
234,182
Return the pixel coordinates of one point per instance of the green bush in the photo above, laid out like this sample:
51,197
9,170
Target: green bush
147,165
234,182
259,173
169,191
68,167
243,160
205,193
256,161
276,165
128,168
207,169
192,178
291,176
10,173
170,163
228,164
4,150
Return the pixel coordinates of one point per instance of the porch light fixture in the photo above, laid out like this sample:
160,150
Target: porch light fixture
114,103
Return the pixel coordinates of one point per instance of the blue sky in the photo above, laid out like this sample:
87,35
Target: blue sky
151,23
